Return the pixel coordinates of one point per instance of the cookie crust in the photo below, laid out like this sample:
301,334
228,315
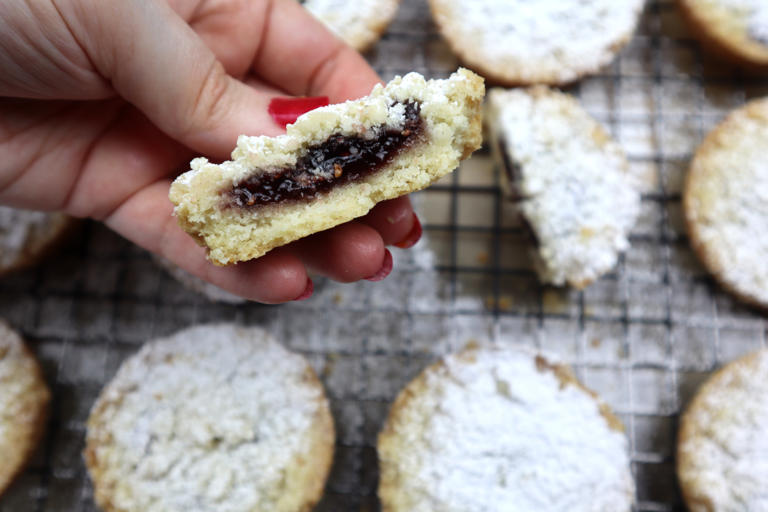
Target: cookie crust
360,24
212,418
27,236
724,203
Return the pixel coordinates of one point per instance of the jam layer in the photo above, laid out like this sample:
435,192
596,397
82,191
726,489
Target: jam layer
340,159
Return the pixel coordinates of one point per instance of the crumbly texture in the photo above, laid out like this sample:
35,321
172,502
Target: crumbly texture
359,23
24,398
735,29
500,428
722,452
450,110
522,42
26,236
571,180
194,283
725,201
213,418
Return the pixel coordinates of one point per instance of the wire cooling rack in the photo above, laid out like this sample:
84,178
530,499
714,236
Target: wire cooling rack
644,337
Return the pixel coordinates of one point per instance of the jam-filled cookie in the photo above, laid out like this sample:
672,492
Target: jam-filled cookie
725,202
722,450
24,398
524,42
735,29
333,165
501,428
570,181
26,236
211,418
358,23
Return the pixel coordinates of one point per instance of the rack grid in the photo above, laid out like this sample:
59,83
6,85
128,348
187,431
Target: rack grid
644,337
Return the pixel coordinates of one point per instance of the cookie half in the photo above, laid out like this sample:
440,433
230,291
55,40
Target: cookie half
26,236
722,451
570,180
725,201
24,399
522,42
359,23
500,428
735,29
212,418
333,165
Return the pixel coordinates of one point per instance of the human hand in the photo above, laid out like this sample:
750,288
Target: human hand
103,103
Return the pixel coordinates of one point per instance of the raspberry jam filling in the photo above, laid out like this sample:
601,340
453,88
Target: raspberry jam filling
340,159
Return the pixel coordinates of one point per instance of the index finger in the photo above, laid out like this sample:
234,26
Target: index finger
301,56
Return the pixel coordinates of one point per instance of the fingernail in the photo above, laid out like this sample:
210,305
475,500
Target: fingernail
386,268
307,293
412,237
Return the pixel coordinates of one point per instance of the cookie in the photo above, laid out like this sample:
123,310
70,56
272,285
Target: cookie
725,202
333,165
570,181
734,29
194,283
212,418
359,23
520,42
27,236
24,398
722,450
497,428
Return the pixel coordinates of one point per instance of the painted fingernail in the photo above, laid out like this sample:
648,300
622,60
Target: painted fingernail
412,237
386,268
307,293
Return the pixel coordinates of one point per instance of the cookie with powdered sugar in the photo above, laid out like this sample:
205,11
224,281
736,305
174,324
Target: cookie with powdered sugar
24,398
333,165
523,42
212,418
497,428
722,450
735,29
725,201
359,23
570,181
26,236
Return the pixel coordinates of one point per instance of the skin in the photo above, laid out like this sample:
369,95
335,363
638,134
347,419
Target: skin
103,103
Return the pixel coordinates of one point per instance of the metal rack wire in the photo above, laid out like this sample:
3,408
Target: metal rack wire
643,337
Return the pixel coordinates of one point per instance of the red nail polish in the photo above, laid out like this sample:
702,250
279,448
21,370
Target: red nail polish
412,237
386,268
286,110
307,293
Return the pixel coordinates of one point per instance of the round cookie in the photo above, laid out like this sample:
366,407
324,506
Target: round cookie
725,202
497,428
521,42
734,29
569,179
212,418
359,23
26,236
24,399
722,451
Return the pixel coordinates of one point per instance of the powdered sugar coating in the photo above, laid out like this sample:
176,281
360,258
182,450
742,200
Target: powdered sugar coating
358,23
753,14
496,428
723,448
542,41
26,233
576,193
212,418
726,202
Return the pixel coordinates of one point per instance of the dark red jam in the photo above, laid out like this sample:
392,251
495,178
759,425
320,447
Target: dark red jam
340,159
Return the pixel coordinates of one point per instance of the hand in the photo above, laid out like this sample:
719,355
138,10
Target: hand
104,102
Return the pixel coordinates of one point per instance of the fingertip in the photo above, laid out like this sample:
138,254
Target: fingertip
277,277
395,221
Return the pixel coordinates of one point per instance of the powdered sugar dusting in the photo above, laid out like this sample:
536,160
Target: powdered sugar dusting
726,457
18,228
755,12
207,419
491,430
358,23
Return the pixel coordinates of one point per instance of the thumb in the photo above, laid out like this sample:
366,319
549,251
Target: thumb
157,62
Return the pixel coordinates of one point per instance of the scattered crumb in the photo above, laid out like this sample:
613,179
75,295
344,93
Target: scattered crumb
482,258
338,299
595,342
